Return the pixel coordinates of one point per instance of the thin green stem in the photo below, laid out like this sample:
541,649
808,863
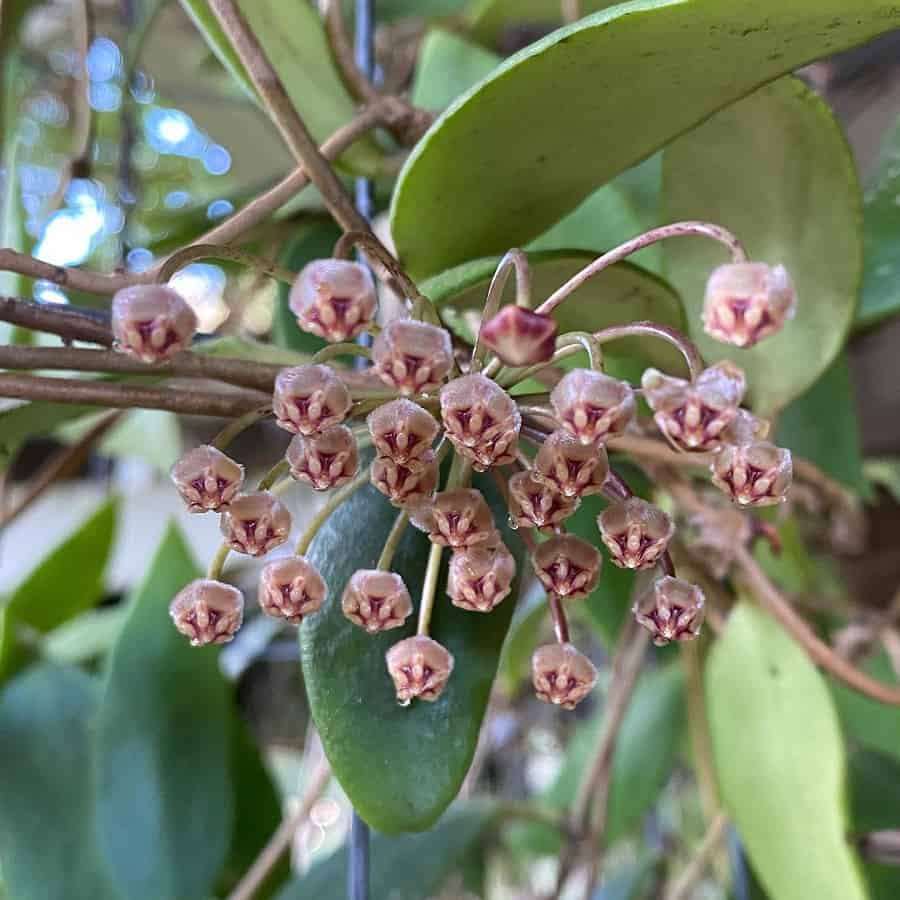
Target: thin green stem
216,251
343,349
395,535
333,502
429,589
514,259
240,425
685,346
217,563
280,468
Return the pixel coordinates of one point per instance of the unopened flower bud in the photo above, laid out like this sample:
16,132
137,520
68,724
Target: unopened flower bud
592,406
308,399
413,357
567,566
745,428
207,479
456,518
671,610
533,504
636,532
757,474
151,321
693,415
519,336
376,600
419,668
561,675
481,420
207,611
480,577
569,467
406,484
746,302
324,460
290,589
334,299
402,430
716,535
256,523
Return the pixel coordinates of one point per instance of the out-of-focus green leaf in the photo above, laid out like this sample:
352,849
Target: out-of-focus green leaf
792,567
775,169
164,795
884,473
525,629
86,637
66,582
565,115
780,760
48,844
628,883
391,10
410,867
491,19
821,426
23,421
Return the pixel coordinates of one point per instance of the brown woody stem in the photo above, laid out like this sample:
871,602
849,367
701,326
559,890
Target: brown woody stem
67,322
383,262
352,76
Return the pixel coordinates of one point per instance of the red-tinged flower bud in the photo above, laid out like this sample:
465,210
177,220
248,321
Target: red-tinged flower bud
290,589
481,420
413,357
207,479
592,406
256,523
672,610
746,302
419,668
569,467
480,577
309,399
151,321
532,504
693,416
567,566
401,430
407,484
636,532
376,600
456,518
207,611
758,474
334,299
561,675
324,460
519,336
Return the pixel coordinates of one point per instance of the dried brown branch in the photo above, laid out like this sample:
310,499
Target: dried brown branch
342,49
68,323
91,282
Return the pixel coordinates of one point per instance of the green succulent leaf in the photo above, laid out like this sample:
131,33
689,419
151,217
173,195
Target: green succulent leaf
779,757
492,19
501,176
400,767
775,169
164,792
63,585
48,845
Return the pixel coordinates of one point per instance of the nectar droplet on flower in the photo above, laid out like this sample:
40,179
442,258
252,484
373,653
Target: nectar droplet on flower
291,589
567,566
479,578
308,399
569,467
481,420
402,430
376,600
324,460
419,668
635,532
519,336
562,675
406,484
746,302
532,504
758,474
151,321
208,611
256,523
412,357
334,299
592,406
207,479
456,518
693,416
671,610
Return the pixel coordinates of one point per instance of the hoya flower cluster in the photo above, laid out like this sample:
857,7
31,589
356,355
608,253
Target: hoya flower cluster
547,453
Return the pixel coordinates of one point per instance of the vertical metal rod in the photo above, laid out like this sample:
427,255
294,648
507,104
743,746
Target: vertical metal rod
358,873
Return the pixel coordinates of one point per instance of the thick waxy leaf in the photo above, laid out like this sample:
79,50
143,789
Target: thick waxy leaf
492,19
411,867
401,767
64,584
48,846
566,114
448,65
776,170
164,794
525,630
780,760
